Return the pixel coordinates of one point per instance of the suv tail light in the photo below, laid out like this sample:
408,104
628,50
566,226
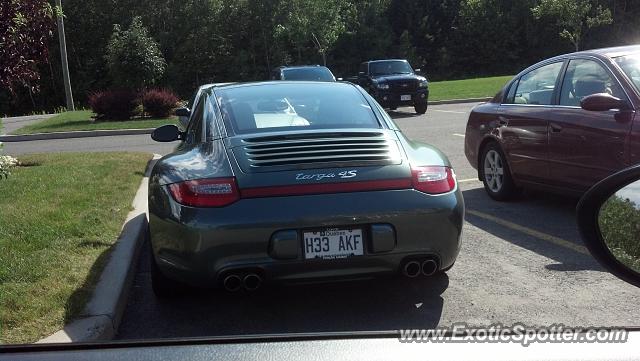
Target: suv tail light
217,192
433,179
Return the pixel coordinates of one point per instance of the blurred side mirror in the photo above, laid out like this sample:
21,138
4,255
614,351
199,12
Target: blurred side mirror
601,102
609,222
167,133
183,112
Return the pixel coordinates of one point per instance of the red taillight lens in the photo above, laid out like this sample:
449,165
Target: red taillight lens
433,179
217,192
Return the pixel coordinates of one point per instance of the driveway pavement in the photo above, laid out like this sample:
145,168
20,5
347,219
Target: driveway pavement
11,124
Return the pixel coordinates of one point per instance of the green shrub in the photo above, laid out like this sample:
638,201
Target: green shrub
133,57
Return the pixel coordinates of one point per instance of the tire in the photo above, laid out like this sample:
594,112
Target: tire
420,108
495,173
163,287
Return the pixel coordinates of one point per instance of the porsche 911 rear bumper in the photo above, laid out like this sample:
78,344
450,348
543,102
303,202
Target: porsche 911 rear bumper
199,246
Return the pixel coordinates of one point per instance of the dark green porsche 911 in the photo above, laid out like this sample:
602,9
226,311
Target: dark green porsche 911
296,182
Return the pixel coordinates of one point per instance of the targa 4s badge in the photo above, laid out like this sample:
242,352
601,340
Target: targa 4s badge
320,176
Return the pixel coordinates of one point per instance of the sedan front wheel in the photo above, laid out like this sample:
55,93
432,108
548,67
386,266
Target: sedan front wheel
496,175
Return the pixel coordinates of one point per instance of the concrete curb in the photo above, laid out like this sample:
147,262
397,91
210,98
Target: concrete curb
103,313
75,134
459,101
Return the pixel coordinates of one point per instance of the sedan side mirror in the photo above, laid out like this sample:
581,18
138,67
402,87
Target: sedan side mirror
601,102
609,222
167,133
183,112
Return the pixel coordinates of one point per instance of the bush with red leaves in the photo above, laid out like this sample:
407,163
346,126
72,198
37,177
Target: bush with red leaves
159,103
25,29
114,104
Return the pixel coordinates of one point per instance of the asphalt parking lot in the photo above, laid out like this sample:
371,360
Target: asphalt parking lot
521,261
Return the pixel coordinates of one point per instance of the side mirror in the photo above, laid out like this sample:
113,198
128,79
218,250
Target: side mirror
609,222
183,112
602,101
166,133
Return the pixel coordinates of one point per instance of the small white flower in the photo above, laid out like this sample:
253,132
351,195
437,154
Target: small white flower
6,163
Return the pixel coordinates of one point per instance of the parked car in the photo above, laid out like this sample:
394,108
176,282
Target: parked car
296,182
304,72
394,83
562,124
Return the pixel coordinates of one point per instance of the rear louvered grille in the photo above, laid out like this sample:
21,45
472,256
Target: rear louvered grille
365,149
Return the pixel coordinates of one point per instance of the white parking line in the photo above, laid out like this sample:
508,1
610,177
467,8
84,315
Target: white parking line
531,232
468,180
458,135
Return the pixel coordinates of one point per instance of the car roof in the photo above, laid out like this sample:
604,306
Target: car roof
300,67
277,82
381,60
613,52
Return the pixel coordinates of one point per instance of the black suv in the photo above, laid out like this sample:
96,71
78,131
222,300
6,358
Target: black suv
303,72
394,83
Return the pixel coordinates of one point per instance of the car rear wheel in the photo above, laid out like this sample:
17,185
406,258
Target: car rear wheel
421,108
496,175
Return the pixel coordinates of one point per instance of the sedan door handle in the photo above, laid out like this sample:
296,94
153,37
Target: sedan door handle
502,121
556,128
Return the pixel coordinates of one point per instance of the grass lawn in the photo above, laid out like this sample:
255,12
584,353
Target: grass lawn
81,120
467,88
59,216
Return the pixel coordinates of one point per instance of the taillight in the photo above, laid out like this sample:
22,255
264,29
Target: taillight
217,192
433,179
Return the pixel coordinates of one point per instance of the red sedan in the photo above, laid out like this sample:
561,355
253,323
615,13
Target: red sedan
560,125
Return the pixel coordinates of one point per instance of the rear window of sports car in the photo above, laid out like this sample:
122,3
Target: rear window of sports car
283,107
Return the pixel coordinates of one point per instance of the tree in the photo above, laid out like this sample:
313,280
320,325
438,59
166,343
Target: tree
133,57
575,17
313,22
25,29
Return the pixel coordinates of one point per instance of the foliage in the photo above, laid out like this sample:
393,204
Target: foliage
134,59
619,221
574,17
159,103
25,29
119,104
205,41
6,164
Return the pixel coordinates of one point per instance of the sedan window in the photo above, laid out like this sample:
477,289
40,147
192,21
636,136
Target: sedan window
630,64
537,86
585,77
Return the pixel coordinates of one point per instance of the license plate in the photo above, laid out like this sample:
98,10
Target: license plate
405,97
333,243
